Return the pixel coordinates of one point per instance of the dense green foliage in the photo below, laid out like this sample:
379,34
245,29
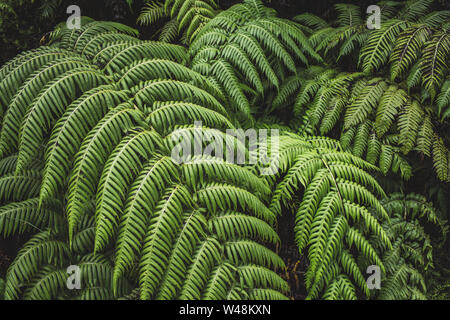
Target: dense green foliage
90,121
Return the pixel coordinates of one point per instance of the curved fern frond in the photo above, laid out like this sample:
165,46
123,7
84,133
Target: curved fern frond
119,171
91,158
67,135
23,99
434,61
43,248
407,48
45,109
25,216
376,51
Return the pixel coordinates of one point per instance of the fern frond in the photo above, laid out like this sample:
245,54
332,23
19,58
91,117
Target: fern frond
217,196
407,48
43,248
434,61
311,20
375,53
45,109
28,216
15,188
391,102
348,14
23,99
67,135
443,101
91,158
119,172
414,9
152,13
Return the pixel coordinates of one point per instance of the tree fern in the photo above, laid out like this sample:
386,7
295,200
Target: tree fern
371,112
434,63
409,33
255,36
98,130
410,260
330,202
124,138
376,51
186,18
443,100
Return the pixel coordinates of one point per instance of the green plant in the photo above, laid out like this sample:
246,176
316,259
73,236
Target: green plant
379,117
246,49
167,211
409,263
374,118
331,219
92,173
411,38
183,18
166,224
